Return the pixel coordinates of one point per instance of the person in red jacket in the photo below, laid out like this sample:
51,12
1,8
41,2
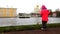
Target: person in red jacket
44,13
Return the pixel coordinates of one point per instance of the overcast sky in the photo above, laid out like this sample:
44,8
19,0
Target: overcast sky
27,6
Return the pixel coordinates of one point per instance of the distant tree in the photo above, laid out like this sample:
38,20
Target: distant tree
58,13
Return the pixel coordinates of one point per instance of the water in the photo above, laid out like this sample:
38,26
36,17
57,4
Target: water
25,21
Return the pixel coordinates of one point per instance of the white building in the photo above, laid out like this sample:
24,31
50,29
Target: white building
36,12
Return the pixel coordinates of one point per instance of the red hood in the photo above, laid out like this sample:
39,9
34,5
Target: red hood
43,7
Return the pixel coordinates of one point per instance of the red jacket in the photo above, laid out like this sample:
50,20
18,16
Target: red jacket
44,13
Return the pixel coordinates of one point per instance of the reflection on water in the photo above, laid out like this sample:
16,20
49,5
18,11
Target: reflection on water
24,21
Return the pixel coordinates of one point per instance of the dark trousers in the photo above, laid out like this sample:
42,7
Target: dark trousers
44,24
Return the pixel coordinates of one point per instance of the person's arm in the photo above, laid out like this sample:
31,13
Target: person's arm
48,12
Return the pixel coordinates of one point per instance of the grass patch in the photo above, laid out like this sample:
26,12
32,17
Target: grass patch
26,27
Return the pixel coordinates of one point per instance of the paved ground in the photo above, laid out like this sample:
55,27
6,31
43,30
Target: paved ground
37,31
